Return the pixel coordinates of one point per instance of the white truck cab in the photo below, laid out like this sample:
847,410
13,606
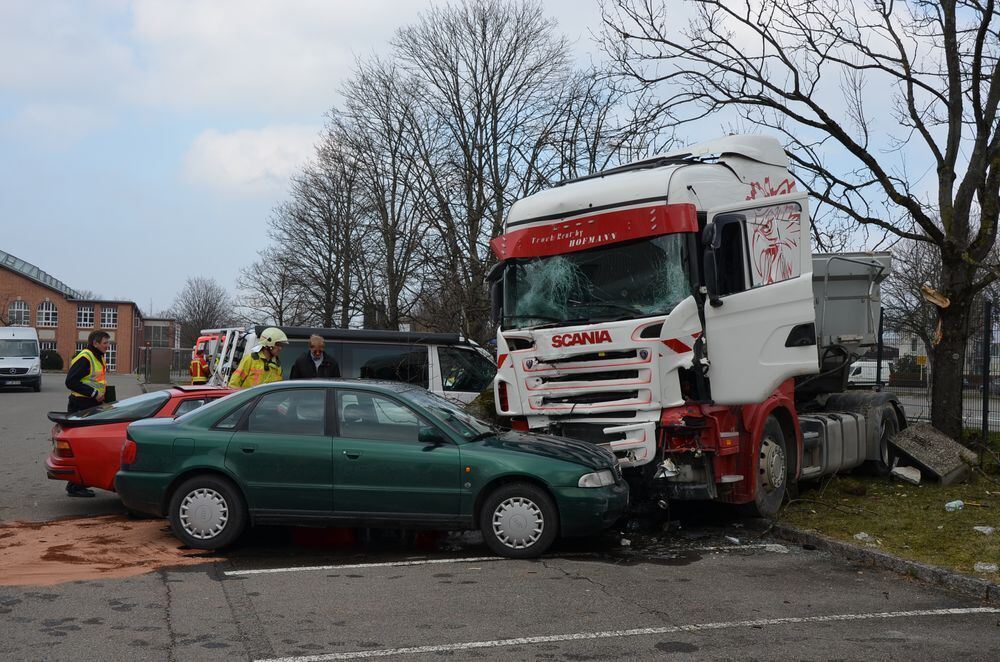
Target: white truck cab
20,360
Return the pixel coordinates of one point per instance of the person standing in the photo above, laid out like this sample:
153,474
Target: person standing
315,363
198,370
261,365
87,381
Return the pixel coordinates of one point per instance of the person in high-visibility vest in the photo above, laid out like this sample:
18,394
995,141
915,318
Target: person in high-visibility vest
198,370
87,381
261,365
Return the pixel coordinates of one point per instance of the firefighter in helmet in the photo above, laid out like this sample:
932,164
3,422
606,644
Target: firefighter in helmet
198,370
261,365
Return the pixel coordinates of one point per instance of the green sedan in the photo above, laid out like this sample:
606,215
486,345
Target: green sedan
363,453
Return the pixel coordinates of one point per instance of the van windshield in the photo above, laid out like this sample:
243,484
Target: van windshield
18,348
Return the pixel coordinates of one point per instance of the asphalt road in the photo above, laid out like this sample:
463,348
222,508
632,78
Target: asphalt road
691,594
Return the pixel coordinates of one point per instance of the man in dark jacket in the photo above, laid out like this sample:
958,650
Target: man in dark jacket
315,363
87,382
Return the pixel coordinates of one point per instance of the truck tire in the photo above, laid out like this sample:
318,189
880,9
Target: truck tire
888,427
519,521
771,480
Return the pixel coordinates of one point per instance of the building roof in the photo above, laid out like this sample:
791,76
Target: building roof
32,272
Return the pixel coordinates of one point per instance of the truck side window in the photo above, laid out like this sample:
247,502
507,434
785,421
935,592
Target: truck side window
730,256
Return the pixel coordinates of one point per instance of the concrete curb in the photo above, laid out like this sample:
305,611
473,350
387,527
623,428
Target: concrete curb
981,589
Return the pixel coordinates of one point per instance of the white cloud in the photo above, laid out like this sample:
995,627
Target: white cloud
249,162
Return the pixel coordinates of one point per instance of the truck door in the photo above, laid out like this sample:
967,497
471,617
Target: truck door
760,327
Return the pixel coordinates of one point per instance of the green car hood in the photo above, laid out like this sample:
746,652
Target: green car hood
559,448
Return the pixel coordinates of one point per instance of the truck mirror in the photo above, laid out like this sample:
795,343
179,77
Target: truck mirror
496,301
711,276
708,235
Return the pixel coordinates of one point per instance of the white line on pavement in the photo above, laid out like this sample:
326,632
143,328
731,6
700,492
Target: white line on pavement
390,564
613,634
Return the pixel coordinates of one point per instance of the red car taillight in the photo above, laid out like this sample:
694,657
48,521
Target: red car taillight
129,451
502,394
63,449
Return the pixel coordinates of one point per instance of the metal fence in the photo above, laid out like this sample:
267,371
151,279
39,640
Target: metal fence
163,365
906,355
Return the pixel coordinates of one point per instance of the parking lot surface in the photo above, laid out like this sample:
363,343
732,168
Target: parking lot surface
710,590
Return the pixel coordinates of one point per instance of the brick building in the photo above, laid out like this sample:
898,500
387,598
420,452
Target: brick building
64,318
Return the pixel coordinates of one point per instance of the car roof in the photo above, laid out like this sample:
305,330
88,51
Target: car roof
378,384
373,335
185,389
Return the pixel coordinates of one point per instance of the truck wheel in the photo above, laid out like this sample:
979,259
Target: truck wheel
207,512
519,521
888,427
772,472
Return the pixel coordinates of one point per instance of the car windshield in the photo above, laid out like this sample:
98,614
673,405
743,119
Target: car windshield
457,418
18,348
621,281
141,406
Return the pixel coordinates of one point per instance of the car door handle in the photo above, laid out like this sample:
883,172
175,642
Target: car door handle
352,455
248,448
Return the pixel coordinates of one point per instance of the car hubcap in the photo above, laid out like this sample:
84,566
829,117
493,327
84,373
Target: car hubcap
772,464
518,523
204,513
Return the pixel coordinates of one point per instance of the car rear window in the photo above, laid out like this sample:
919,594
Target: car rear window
141,406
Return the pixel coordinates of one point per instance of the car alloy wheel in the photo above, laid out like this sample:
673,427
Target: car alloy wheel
204,513
518,523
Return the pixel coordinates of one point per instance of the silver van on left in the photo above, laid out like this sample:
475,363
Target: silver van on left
20,363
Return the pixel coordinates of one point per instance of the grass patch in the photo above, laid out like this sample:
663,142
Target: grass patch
907,520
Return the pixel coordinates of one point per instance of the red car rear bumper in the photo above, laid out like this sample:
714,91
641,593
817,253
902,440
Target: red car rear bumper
61,468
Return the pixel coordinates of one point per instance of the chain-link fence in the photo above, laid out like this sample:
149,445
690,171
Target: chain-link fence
906,368
164,365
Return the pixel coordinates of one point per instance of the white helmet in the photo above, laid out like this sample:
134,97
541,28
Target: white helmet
271,336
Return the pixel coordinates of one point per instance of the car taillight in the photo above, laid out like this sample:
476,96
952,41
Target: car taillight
129,452
502,394
63,449
519,423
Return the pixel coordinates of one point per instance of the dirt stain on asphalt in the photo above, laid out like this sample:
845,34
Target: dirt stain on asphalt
47,553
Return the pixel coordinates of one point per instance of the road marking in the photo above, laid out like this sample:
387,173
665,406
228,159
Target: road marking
354,566
637,632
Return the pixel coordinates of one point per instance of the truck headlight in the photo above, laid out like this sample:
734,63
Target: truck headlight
34,370
601,478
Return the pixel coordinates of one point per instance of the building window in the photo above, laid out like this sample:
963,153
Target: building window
84,316
913,345
109,317
47,344
158,336
48,314
111,357
17,314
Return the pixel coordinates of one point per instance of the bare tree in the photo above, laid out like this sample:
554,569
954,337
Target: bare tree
202,304
821,73
270,292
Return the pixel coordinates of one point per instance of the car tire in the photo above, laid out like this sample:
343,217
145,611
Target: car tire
37,386
207,512
888,428
772,473
519,521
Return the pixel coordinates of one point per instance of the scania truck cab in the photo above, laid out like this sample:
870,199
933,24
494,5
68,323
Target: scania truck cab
672,311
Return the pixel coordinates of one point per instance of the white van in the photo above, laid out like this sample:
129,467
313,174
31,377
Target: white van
445,363
864,372
20,363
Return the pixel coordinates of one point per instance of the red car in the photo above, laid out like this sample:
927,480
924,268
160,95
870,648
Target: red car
87,445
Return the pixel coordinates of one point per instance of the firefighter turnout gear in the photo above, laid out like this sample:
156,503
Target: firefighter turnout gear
254,370
95,381
199,371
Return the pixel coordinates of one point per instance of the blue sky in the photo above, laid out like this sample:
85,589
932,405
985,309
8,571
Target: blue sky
146,130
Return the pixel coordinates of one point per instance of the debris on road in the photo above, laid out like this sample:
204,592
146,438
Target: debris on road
985,530
735,541
940,456
625,542
909,474
955,505
867,539
985,567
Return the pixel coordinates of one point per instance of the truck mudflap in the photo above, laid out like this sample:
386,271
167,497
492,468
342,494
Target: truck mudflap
638,445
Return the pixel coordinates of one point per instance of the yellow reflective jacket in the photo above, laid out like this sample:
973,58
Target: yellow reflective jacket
254,370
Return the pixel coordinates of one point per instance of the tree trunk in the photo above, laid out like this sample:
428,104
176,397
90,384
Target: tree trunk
948,369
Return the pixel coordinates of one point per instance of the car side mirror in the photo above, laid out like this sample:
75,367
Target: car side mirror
430,435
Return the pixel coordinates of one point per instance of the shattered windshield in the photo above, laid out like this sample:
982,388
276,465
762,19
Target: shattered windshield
635,279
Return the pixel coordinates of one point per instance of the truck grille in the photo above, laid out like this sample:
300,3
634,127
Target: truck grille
595,356
13,371
605,376
591,398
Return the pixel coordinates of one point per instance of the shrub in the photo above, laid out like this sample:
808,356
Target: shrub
51,360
